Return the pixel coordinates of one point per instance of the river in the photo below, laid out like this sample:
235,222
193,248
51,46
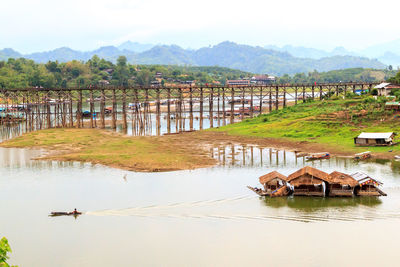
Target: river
204,217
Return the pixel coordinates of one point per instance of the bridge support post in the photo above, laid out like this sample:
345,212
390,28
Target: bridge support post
169,110
320,92
251,102
91,109
102,109
211,112
201,109
243,101
191,109
261,99
223,107
48,111
277,98
124,120
270,99
114,110
232,105
218,105
312,92
284,97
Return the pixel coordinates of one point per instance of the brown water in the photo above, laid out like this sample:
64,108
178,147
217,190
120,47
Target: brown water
192,218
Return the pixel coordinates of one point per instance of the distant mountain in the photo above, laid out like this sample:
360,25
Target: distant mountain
8,53
306,52
390,58
164,54
226,54
62,54
380,49
135,46
252,59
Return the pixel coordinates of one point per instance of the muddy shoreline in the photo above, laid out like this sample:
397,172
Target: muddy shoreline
190,149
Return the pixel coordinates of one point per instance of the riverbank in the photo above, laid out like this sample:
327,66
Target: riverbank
328,125
145,154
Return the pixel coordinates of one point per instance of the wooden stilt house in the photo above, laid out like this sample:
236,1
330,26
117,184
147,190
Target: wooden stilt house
309,181
341,185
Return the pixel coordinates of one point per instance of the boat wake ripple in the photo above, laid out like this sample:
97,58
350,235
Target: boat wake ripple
245,208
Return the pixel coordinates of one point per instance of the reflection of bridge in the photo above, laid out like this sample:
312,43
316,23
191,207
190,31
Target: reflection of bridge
40,108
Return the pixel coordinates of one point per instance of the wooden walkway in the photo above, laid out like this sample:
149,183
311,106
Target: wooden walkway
40,108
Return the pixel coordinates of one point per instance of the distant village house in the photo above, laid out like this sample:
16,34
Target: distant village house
262,79
375,139
238,82
384,89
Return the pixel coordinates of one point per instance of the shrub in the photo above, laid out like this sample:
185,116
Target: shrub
4,249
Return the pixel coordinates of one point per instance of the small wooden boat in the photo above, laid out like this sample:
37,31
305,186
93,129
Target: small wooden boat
281,191
362,155
60,213
258,191
315,156
301,154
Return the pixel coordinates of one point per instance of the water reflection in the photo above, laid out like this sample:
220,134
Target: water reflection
244,156
315,204
210,205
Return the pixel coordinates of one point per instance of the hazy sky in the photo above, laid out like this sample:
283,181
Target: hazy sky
37,25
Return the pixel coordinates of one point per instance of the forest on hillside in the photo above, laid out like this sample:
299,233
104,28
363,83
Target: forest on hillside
21,72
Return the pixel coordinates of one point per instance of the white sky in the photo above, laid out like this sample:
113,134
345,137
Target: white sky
38,25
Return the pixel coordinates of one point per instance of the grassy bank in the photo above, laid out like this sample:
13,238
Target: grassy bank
331,124
112,149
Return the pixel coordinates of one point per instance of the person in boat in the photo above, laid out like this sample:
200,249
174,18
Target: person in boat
75,212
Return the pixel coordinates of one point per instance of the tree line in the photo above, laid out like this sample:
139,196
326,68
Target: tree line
22,73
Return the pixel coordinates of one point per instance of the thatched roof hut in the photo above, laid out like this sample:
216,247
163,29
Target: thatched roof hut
271,176
315,176
341,185
342,179
274,184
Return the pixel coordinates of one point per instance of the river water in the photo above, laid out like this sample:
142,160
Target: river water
204,217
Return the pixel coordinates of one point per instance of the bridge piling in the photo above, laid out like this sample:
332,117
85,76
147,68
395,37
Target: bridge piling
201,109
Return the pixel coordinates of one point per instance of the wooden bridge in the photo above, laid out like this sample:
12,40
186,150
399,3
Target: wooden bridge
145,109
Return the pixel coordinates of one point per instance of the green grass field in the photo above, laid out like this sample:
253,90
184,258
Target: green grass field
331,122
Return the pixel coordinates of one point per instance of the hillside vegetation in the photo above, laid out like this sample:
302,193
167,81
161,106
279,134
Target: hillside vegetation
333,123
253,59
19,73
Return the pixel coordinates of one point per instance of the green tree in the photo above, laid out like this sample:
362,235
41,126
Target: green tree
4,250
121,73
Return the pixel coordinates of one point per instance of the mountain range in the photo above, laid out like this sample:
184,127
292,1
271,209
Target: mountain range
270,59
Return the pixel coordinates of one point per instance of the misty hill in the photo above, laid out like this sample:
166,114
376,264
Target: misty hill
135,46
226,54
9,53
307,52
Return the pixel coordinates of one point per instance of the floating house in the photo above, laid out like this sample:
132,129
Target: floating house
309,181
274,184
374,139
341,185
367,186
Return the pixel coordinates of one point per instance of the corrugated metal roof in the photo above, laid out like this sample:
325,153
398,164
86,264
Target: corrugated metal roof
375,135
382,85
394,103
362,177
